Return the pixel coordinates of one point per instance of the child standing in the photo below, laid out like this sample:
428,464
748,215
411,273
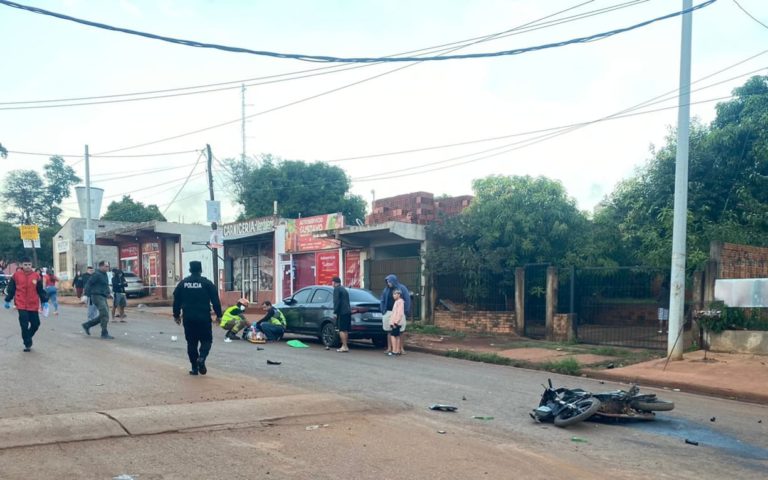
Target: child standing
396,321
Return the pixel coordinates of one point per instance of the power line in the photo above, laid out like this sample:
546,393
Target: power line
290,104
548,129
185,182
749,14
112,176
332,59
158,94
336,68
514,146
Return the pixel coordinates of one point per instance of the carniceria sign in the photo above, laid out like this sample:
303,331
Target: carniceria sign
248,228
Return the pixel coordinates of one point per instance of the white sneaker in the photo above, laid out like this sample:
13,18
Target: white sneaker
227,340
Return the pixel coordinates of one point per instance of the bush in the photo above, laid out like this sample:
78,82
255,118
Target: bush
567,366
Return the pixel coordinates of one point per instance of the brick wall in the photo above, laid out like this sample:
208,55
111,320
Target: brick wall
476,322
743,261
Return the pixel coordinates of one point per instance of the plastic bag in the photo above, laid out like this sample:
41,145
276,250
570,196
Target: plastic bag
93,312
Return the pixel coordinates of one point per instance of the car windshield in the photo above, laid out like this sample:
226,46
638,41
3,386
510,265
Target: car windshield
361,296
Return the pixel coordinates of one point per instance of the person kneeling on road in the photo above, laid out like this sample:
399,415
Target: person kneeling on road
233,320
273,323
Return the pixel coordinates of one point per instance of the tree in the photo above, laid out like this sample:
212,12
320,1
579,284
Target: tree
12,248
512,221
23,195
727,192
34,200
300,188
3,151
59,179
128,210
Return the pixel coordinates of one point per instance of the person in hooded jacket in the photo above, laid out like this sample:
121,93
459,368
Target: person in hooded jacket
26,289
388,304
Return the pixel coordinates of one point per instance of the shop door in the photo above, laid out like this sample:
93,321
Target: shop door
305,270
250,278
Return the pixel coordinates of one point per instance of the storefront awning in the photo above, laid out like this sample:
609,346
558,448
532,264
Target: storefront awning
363,235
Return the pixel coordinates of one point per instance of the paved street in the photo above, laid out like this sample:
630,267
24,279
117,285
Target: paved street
273,419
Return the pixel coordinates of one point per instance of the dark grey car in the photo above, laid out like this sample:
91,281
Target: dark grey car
310,312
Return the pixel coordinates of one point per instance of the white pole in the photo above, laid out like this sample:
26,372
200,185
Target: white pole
242,155
677,283
89,247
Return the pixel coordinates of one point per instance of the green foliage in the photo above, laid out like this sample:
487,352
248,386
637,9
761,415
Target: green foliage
727,195
3,151
12,248
511,222
129,210
486,357
718,318
301,189
31,199
566,366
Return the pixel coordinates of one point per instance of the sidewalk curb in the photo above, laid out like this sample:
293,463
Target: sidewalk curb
685,387
618,376
158,419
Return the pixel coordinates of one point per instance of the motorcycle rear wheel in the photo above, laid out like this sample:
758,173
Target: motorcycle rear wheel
583,409
652,405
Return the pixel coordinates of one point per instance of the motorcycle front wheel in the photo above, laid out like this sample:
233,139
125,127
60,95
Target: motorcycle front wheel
580,410
652,405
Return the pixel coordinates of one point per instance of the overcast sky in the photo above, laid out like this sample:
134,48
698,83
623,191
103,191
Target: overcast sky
424,105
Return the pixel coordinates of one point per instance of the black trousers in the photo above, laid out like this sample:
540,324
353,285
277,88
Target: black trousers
29,322
199,336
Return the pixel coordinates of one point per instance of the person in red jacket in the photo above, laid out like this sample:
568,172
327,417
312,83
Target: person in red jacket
26,289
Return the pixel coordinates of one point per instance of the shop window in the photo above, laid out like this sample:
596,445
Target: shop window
63,267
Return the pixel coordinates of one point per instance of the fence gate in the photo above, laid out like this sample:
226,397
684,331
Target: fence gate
407,270
536,300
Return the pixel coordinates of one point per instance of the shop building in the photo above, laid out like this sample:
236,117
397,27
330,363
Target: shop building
249,260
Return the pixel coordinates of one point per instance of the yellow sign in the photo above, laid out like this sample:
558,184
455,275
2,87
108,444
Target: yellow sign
29,232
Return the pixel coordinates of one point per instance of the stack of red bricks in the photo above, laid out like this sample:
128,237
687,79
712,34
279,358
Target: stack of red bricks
416,207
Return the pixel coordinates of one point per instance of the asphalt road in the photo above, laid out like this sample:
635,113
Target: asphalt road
69,372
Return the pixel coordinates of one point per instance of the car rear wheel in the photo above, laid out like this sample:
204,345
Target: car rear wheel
329,336
379,341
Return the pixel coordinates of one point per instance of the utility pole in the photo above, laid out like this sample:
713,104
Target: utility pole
214,250
88,247
677,283
242,90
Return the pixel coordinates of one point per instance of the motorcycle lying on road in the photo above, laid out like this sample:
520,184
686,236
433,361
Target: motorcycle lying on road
565,406
626,405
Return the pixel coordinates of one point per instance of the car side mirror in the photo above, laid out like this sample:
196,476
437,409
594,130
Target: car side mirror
289,301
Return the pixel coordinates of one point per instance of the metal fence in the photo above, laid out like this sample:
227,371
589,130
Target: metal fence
475,292
615,305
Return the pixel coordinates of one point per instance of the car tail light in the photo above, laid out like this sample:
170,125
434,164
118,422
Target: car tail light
359,310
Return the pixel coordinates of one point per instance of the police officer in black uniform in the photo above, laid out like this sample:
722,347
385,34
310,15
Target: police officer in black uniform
194,295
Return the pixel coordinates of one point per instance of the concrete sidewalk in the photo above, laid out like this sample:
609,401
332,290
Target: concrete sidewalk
727,375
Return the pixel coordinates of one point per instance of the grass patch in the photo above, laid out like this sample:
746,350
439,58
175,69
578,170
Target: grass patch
610,352
433,330
486,357
566,366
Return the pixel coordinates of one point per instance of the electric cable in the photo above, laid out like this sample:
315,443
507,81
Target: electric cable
652,101
333,59
749,14
185,182
536,25
274,109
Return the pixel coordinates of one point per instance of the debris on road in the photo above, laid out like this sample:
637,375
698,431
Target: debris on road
259,348
464,398
296,344
579,440
315,427
675,389
443,408
712,419
441,432
691,442
174,338
270,362
482,417
123,477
